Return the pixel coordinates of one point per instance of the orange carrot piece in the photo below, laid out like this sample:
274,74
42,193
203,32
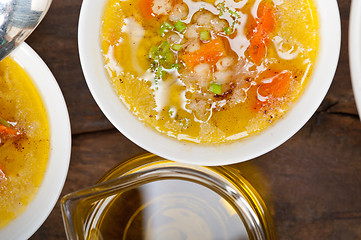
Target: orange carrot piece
145,8
209,52
266,22
267,17
8,132
274,90
258,47
278,87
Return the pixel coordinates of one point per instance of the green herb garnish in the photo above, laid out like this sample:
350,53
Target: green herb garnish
159,74
162,57
5,123
221,7
215,88
227,30
234,14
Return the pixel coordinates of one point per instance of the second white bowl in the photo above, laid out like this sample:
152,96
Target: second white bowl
40,207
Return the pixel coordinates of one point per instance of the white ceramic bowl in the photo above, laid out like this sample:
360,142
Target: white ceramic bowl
355,50
164,146
60,144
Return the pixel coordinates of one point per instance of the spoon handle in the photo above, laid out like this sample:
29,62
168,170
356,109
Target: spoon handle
18,19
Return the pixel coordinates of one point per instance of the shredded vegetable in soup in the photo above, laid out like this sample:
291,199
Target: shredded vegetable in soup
24,140
209,71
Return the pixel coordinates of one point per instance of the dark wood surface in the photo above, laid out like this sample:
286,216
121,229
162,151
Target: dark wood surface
312,183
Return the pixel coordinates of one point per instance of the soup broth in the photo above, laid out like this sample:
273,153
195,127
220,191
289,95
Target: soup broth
209,71
24,140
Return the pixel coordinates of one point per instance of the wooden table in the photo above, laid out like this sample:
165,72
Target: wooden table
312,183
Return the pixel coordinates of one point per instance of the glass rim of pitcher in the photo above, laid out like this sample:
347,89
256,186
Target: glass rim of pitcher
243,198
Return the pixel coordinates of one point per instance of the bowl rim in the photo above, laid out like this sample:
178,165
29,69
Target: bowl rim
37,210
355,51
210,155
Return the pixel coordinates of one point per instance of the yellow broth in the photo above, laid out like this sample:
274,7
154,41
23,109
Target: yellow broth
23,158
208,102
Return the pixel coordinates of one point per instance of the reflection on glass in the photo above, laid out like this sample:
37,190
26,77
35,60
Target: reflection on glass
167,209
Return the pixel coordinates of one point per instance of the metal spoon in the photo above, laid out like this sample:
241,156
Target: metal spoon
18,18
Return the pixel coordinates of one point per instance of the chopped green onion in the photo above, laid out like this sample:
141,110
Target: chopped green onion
164,47
159,51
165,27
205,36
153,52
177,47
215,88
168,57
227,30
180,26
4,122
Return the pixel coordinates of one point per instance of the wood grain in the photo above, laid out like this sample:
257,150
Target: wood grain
312,183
